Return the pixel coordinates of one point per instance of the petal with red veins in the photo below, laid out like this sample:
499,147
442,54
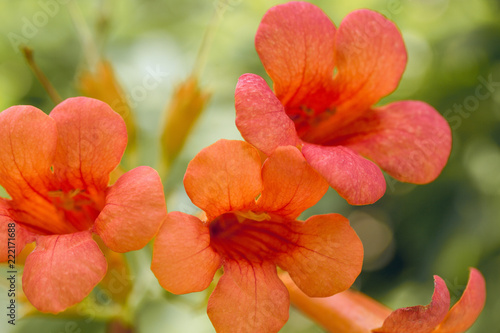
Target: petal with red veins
91,141
465,312
28,139
224,177
295,42
11,233
62,270
183,260
249,298
420,319
260,116
134,210
370,57
355,178
408,139
290,184
327,257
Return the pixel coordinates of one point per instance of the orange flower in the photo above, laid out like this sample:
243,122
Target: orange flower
56,170
249,237
326,82
437,317
353,312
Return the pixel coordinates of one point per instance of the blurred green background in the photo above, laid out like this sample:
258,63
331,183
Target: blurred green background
412,233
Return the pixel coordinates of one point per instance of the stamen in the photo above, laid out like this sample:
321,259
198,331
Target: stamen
241,216
68,201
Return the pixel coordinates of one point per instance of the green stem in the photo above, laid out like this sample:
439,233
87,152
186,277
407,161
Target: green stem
49,88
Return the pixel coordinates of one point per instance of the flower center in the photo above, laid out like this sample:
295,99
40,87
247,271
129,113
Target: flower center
69,201
58,211
77,207
307,119
251,236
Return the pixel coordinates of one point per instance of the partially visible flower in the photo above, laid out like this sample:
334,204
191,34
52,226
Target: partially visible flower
56,170
187,103
250,229
437,317
354,312
326,83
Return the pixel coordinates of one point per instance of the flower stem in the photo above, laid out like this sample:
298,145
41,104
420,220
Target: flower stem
346,312
49,88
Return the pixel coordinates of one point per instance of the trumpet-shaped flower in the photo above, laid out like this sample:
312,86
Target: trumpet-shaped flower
251,228
56,170
437,317
326,82
354,312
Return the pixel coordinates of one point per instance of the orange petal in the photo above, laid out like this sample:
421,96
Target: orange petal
248,298
119,277
420,319
91,141
13,236
327,258
260,116
409,139
62,270
183,260
355,178
295,42
465,312
370,57
224,177
135,208
28,139
290,184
